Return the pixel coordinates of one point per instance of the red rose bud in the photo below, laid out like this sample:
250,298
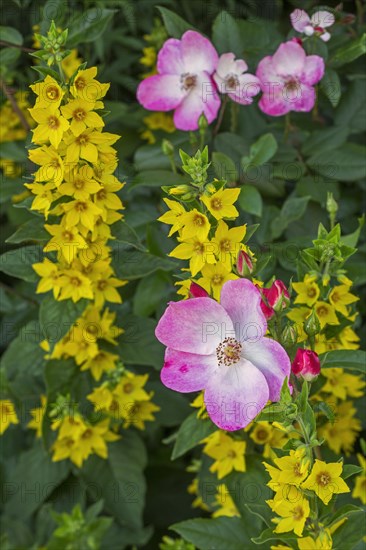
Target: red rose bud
306,364
275,299
297,40
244,264
265,307
196,291
278,297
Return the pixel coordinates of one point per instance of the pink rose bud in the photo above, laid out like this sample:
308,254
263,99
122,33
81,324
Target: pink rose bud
244,264
297,40
306,364
196,291
278,297
265,307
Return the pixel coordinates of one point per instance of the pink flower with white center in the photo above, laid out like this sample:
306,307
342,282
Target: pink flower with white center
221,349
287,79
184,81
317,23
231,80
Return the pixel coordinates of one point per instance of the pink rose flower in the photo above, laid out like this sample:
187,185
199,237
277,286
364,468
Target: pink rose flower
276,298
184,81
231,80
306,364
222,349
287,79
317,23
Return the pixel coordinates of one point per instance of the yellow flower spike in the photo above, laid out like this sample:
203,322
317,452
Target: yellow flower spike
102,362
49,92
213,278
83,212
293,515
307,291
173,216
326,314
86,87
65,241
221,203
52,166
139,413
294,469
51,125
197,252
342,384
37,417
342,434
50,275
225,502
82,115
75,286
325,480
359,490
229,454
228,242
195,224
79,183
8,415
340,298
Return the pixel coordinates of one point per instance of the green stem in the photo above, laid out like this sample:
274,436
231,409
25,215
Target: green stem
221,115
61,71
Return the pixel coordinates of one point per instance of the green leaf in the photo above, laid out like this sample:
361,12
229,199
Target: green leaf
350,470
133,264
320,141
119,480
260,152
229,533
250,200
224,167
292,209
351,111
88,26
11,150
9,34
157,178
174,24
349,534
57,317
331,86
346,163
352,239
138,337
32,230
326,409
349,52
302,399
191,433
343,512
18,263
149,294
344,359
123,233
268,534
36,477
226,34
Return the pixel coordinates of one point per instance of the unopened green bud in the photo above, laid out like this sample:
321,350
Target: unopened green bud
289,336
167,147
202,123
312,324
179,190
332,205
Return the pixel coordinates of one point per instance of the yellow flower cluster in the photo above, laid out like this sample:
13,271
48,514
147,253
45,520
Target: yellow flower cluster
77,439
126,401
291,476
333,307
228,453
339,386
75,183
84,342
157,121
205,239
12,129
8,415
76,191
268,435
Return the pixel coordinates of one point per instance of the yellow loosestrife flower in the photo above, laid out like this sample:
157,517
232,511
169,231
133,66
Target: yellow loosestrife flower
359,490
8,415
307,291
228,454
325,480
221,203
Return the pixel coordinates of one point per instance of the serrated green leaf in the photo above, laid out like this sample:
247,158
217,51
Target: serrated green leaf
331,86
